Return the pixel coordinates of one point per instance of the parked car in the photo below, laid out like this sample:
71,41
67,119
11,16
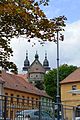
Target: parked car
32,115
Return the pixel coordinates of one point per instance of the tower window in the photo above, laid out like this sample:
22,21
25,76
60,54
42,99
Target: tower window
36,68
36,75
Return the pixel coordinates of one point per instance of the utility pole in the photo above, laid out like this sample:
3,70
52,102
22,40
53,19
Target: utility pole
59,36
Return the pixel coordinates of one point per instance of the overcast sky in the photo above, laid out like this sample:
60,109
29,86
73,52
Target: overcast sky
69,48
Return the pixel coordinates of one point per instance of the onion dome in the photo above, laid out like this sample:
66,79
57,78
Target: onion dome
36,56
26,63
46,63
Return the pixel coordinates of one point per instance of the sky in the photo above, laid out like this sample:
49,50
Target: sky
69,49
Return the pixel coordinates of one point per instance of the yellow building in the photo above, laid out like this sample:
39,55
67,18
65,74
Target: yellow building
70,94
20,94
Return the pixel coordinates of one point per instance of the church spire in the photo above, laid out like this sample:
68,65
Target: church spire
26,62
45,55
46,62
26,54
36,56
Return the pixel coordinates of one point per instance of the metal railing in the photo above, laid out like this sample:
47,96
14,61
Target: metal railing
10,107
13,107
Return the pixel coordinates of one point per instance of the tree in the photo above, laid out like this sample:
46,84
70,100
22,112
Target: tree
50,80
24,17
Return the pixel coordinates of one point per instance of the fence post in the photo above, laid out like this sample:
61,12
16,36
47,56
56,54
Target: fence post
74,110
62,112
39,109
53,106
5,107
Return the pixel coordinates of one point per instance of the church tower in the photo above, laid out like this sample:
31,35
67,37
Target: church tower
36,71
46,63
26,63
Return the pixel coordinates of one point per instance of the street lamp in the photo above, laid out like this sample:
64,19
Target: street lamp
59,36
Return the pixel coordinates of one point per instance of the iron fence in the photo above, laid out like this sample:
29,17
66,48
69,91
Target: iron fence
14,108
11,108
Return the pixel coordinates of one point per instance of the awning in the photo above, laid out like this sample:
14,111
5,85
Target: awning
74,91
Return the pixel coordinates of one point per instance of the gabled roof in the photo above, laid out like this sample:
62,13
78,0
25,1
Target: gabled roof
18,83
73,77
36,66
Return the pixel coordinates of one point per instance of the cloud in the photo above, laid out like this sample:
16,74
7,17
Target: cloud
71,46
69,52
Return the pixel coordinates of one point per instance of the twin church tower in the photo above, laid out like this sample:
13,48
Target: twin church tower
36,70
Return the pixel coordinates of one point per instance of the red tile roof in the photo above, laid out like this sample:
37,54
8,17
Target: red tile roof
25,76
16,82
73,77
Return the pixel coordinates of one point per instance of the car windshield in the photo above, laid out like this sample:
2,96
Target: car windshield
25,112
33,113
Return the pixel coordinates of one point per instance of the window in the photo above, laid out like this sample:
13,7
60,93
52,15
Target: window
6,93
74,88
36,68
36,75
77,111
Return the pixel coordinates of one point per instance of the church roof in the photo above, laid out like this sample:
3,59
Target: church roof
36,67
73,77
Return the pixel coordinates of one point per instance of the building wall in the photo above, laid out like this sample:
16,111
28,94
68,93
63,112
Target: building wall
69,100
1,89
65,95
20,94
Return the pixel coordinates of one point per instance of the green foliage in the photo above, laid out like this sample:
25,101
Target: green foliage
24,17
50,80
